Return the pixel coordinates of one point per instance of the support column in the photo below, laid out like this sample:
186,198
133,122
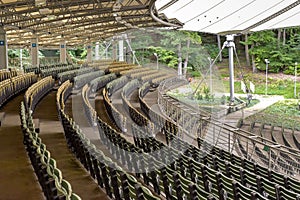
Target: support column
3,49
230,44
121,50
89,53
114,49
63,52
219,46
35,52
97,54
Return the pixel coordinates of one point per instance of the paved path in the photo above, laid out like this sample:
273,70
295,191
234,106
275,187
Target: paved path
264,102
17,177
52,135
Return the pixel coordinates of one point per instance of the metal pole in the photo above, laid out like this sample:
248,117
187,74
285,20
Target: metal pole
230,44
21,58
156,56
267,63
295,81
210,74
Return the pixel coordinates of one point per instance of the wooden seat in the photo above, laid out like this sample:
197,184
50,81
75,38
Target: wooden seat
2,116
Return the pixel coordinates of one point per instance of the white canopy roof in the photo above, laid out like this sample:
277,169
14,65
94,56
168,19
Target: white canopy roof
223,16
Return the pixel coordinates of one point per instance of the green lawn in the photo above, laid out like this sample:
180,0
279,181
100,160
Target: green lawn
275,87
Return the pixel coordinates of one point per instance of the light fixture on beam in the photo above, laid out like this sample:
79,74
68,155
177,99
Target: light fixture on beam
44,11
116,7
40,2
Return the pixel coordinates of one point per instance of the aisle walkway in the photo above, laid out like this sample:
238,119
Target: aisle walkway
17,178
52,135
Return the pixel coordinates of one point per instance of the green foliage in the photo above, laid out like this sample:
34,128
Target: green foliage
195,74
266,45
13,53
165,56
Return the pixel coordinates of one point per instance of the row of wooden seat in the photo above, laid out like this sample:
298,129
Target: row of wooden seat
108,135
152,76
7,73
117,183
135,70
49,176
54,65
134,114
164,179
37,91
143,73
119,69
118,118
91,89
54,70
100,82
82,79
92,116
69,75
14,85
158,80
155,117
114,85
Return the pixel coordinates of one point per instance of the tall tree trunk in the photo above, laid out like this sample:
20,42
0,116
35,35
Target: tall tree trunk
186,60
254,69
247,51
278,38
284,37
179,60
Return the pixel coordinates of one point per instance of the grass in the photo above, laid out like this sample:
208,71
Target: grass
283,113
252,102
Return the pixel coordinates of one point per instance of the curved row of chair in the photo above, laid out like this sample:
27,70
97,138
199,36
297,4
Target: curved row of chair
156,118
7,73
135,70
117,183
287,163
118,118
29,68
134,114
42,66
150,77
69,75
230,135
114,85
100,82
90,89
91,116
54,70
117,145
37,91
282,180
119,69
81,80
49,176
143,73
222,170
13,86
266,126
156,81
